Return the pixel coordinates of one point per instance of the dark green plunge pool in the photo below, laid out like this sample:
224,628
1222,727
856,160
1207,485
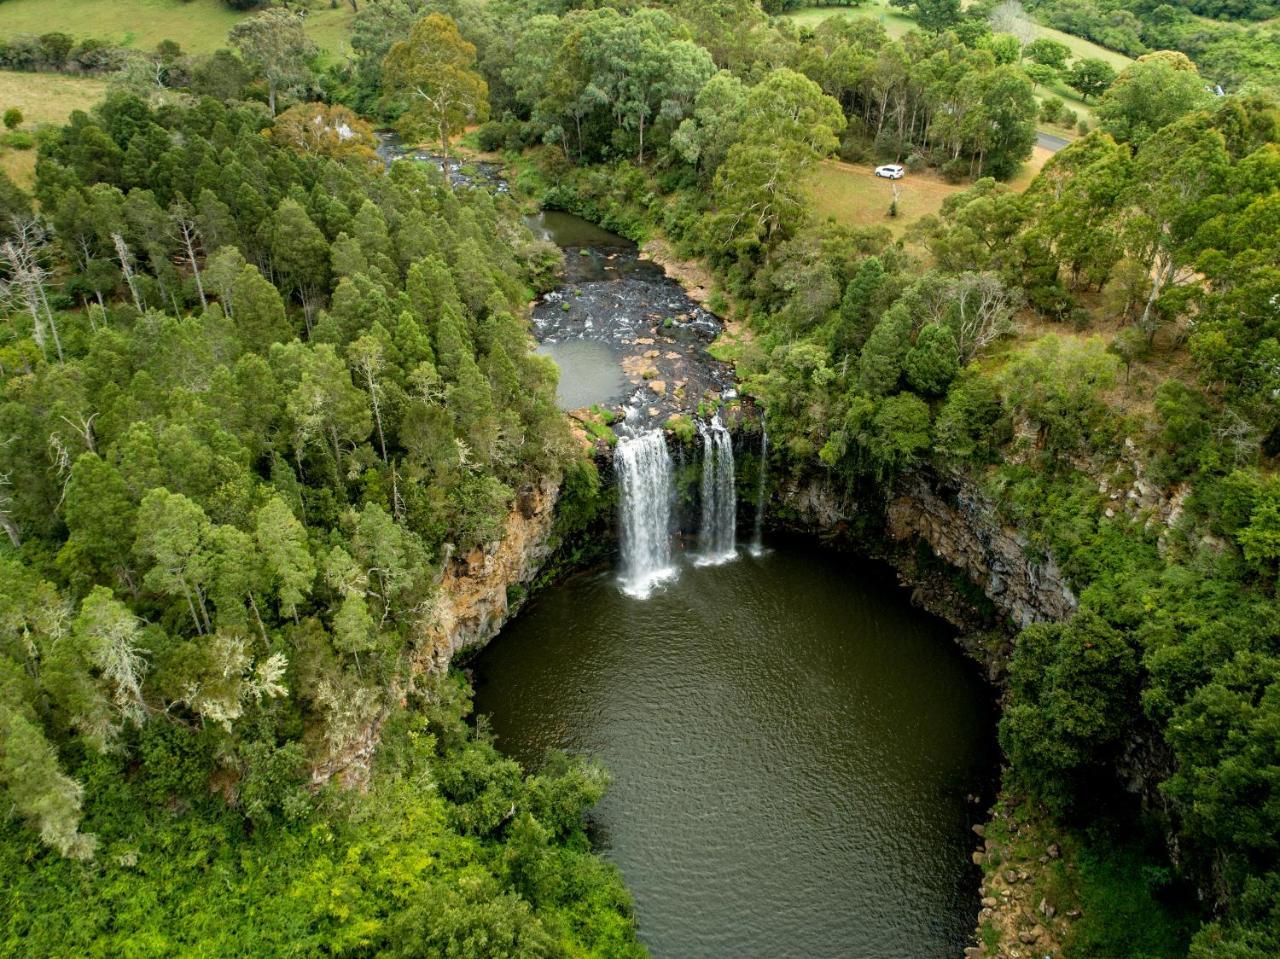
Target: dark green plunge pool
793,750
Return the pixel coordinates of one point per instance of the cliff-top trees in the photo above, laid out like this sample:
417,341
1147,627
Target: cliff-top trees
1150,94
788,125
433,73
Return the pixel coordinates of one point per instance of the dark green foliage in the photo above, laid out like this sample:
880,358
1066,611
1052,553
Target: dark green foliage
932,361
1073,688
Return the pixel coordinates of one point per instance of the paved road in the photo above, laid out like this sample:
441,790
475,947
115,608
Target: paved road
1050,142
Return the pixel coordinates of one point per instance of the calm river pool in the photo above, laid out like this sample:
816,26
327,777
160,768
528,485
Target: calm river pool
794,752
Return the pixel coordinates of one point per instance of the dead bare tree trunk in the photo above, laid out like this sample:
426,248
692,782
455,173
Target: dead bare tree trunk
126,267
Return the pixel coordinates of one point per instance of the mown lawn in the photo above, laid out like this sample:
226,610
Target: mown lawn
854,196
198,26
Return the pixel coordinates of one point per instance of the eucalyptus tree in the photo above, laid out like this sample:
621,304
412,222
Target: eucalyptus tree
434,72
274,44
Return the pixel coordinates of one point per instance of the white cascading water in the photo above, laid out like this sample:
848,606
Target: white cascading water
644,488
716,537
757,532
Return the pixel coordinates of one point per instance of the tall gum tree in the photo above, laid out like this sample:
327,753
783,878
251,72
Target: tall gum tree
434,70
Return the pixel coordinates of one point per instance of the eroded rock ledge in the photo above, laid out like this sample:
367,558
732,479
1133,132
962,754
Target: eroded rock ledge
474,597
962,528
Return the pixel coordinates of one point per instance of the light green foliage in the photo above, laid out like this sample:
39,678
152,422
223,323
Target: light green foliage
283,543
932,15
1151,94
1090,76
432,71
789,125
274,45
899,433
399,878
1057,383
1052,53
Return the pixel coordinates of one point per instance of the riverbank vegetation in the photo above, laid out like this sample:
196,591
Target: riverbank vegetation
257,391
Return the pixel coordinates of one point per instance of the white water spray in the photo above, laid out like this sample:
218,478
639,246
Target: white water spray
757,532
717,534
644,509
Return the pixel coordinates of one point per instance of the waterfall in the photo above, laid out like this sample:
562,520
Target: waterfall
757,533
719,505
644,481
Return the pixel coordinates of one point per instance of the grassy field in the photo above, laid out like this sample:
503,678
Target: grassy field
42,98
854,196
199,26
896,23
47,97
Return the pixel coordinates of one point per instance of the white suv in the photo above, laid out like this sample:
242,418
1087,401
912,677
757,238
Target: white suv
891,171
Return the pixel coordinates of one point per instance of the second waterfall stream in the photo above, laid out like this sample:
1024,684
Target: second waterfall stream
717,533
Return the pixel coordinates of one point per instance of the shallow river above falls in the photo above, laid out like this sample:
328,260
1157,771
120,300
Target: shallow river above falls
792,748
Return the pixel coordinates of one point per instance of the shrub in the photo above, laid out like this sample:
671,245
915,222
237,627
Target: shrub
19,140
12,118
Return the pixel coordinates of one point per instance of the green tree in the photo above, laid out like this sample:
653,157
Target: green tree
933,16
172,537
283,543
899,433
325,407
1047,51
1073,690
1149,95
258,311
789,125
880,363
1090,76
274,44
99,515
301,254
434,71
932,361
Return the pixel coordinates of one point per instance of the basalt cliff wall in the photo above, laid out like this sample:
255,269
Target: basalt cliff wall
988,574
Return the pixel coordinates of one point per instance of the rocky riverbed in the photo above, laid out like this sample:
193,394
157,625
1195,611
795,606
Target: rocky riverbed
656,335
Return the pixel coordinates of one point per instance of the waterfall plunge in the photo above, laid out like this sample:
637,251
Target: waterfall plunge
644,480
716,537
757,532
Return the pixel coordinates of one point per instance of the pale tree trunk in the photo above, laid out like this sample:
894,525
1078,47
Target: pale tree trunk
189,234
126,267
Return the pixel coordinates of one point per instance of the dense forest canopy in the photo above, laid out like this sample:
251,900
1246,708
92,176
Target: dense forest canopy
257,390
253,397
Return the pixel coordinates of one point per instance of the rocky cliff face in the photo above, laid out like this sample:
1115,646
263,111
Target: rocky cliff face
473,600
960,527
